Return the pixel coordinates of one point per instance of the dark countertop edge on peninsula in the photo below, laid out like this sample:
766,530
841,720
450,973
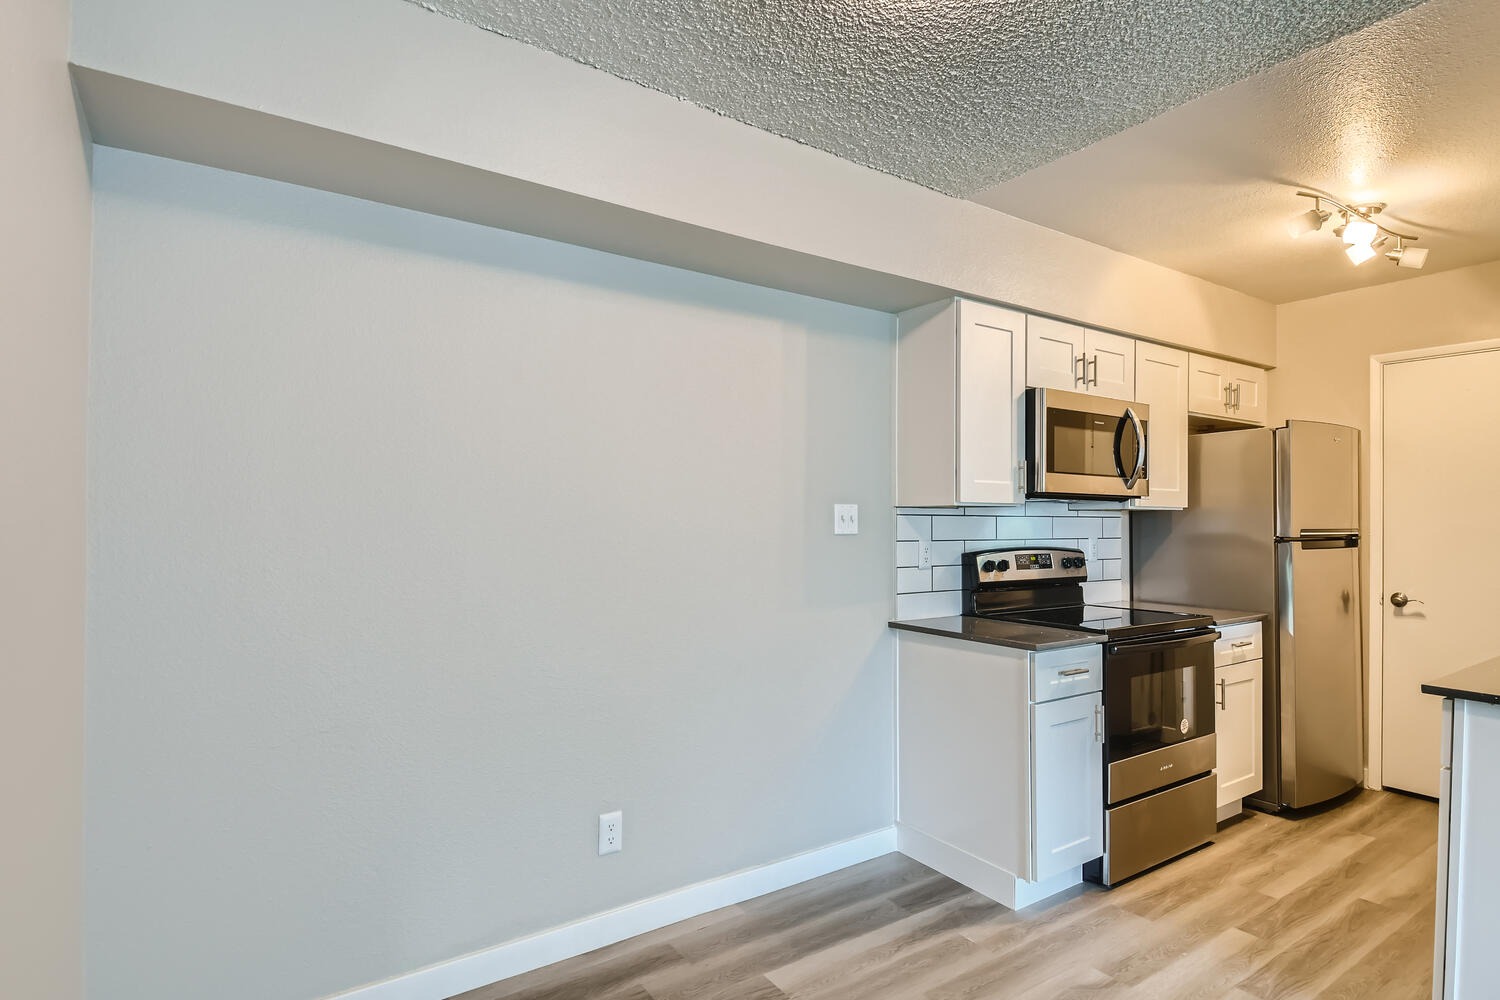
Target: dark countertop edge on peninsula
1221,616
996,633
1481,682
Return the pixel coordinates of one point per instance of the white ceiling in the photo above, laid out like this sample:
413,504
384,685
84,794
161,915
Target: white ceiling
956,95
1406,111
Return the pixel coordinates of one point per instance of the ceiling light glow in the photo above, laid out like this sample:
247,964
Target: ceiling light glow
1364,238
1360,231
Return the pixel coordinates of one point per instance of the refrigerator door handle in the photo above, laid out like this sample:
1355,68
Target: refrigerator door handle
1323,539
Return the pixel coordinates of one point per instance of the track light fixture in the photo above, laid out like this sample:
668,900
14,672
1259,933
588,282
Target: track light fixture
1362,235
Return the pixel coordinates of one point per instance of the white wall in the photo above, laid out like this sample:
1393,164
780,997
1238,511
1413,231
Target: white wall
1325,344
44,259
414,545
391,72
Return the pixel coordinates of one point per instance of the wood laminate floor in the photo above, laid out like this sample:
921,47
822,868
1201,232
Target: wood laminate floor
1338,904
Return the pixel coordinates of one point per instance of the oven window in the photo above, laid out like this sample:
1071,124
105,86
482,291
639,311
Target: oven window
1083,444
1158,697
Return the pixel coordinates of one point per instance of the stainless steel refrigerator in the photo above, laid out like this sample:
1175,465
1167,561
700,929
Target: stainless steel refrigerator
1273,526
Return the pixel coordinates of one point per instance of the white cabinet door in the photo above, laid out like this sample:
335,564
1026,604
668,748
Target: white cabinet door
1111,364
1161,382
1247,395
1208,386
991,347
1237,723
1054,354
1067,784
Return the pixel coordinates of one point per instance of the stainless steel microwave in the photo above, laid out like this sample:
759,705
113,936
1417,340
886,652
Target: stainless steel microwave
1082,447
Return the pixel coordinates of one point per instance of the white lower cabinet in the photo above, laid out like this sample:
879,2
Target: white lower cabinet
1238,725
1068,828
1000,763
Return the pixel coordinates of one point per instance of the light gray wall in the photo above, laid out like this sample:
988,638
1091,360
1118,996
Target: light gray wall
44,311
414,545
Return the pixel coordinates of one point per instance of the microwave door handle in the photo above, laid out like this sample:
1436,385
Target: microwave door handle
1140,449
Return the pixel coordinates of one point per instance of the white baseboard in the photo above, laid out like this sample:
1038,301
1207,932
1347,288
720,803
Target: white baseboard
983,877
480,968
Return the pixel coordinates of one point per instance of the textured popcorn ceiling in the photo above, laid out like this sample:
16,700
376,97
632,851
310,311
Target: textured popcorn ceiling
957,95
1406,111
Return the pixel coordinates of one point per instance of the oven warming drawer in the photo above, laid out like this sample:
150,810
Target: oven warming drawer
1154,769
1157,828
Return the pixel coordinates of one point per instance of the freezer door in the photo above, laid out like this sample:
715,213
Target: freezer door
1317,478
1321,687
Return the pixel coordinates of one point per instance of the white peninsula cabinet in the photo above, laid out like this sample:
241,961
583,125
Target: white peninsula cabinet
1239,670
1000,763
1227,393
960,383
1067,356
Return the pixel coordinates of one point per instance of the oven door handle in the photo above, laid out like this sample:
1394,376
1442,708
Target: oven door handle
1197,639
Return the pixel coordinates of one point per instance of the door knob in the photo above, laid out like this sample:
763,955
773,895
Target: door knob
1400,600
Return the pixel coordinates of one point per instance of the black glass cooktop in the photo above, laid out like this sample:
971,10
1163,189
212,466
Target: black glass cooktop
1117,622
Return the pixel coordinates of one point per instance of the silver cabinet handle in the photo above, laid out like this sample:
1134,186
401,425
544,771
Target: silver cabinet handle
1236,395
1228,395
1074,672
1239,645
1098,723
1095,362
1400,600
1223,695
1082,365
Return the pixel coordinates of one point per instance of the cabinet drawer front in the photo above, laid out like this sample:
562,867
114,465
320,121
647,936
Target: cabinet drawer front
1237,643
1062,673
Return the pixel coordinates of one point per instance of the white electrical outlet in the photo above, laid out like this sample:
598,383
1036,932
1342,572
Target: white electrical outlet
611,831
846,519
924,554
1092,548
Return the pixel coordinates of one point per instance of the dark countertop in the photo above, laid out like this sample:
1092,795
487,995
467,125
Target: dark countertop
1012,634
1221,616
1481,682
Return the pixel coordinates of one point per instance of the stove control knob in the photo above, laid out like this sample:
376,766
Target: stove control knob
1004,565
988,566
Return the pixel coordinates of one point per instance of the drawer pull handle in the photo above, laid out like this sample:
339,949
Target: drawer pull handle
1074,672
1247,642
1223,694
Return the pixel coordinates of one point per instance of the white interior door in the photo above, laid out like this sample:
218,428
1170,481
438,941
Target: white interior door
1441,473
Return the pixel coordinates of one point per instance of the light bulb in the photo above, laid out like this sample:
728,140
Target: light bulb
1413,257
1359,232
1359,252
1306,222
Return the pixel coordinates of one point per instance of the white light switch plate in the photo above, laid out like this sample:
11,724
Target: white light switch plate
846,519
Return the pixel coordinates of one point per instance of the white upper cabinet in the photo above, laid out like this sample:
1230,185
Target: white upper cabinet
1054,354
1067,356
959,385
1226,391
1111,365
1161,382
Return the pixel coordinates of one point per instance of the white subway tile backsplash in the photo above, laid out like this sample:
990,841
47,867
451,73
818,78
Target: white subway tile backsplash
947,578
909,580
966,527
936,604
948,553
938,592
912,527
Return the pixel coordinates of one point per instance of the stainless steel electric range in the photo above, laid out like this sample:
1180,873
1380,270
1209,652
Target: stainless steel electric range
1159,744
